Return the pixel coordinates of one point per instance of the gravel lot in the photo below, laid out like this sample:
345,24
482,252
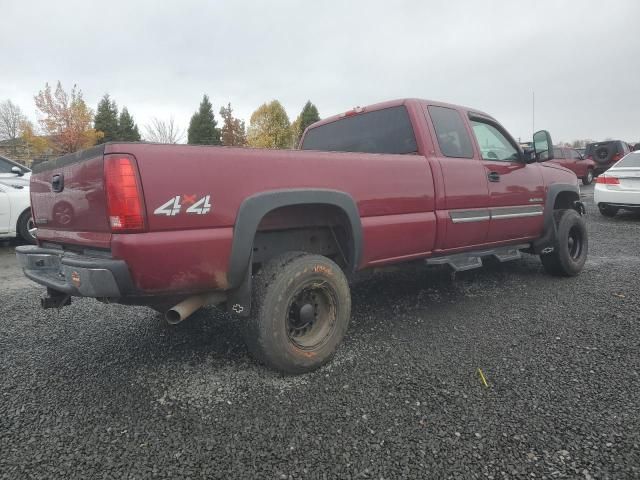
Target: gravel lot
106,391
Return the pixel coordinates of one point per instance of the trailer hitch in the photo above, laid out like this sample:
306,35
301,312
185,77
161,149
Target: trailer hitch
55,299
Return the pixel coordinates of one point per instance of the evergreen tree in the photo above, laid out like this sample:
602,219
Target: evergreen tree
106,119
233,130
202,128
308,116
127,128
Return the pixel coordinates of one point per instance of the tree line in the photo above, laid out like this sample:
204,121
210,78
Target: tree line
67,124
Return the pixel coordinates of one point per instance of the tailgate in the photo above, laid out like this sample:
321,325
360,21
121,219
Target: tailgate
69,201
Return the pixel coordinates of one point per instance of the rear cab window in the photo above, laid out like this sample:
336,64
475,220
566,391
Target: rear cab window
558,153
387,130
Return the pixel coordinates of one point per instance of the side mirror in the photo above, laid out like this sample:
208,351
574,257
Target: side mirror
543,146
17,170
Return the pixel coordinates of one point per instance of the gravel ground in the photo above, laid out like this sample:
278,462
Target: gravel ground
106,391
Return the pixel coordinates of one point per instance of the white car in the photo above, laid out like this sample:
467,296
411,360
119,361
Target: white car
11,169
15,204
619,187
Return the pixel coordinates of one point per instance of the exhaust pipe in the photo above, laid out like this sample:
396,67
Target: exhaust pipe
185,308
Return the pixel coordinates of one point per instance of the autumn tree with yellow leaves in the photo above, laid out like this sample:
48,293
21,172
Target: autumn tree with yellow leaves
66,119
269,127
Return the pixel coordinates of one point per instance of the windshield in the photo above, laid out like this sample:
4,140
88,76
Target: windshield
6,165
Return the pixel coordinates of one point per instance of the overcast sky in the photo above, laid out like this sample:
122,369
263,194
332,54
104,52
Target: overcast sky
582,58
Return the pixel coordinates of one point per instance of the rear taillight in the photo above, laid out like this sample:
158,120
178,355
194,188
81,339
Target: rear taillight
617,157
607,180
124,194
588,157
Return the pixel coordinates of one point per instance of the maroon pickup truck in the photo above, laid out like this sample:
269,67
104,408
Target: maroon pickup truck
274,235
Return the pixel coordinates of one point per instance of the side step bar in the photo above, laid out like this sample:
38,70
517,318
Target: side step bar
460,262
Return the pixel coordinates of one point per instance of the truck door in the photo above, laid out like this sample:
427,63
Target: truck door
462,200
516,189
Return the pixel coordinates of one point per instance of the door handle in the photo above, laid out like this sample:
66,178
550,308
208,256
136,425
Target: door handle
57,182
493,176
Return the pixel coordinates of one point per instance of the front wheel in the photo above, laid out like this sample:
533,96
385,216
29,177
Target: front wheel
570,245
588,178
607,210
300,312
27,228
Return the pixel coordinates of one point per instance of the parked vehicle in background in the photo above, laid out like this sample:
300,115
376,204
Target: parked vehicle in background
636,147
15,210
570,158
11,169
275,234
580,151
619,187
606,153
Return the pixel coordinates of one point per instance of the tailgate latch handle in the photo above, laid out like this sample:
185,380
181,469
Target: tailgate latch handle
57,182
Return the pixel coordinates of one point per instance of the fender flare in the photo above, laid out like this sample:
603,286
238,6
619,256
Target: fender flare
254,208
549,232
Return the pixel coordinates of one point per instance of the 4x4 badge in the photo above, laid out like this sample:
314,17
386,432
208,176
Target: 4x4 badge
174,206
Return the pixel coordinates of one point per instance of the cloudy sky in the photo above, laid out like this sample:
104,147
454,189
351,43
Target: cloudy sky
582,58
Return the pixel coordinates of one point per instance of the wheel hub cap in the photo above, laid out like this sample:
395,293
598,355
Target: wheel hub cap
312,315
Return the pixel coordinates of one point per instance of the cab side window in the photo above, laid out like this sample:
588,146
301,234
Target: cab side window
453,138
493,144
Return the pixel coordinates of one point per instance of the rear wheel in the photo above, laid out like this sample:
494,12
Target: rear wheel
608,210
26,227
588,178
300,312
570,245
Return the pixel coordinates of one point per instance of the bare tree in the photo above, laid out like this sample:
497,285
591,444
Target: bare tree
163,131
11,118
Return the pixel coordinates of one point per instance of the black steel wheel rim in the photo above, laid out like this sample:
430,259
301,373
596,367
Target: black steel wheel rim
311,316
575,243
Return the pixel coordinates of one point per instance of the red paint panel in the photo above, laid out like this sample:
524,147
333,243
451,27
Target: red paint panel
92,239
520,185
189,260
397,236
379,184
455,235
79,207
511,228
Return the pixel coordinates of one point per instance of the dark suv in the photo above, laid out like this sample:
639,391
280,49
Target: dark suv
605,154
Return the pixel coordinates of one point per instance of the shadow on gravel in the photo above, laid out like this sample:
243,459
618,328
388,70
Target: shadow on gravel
212,333
420,287
116,343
